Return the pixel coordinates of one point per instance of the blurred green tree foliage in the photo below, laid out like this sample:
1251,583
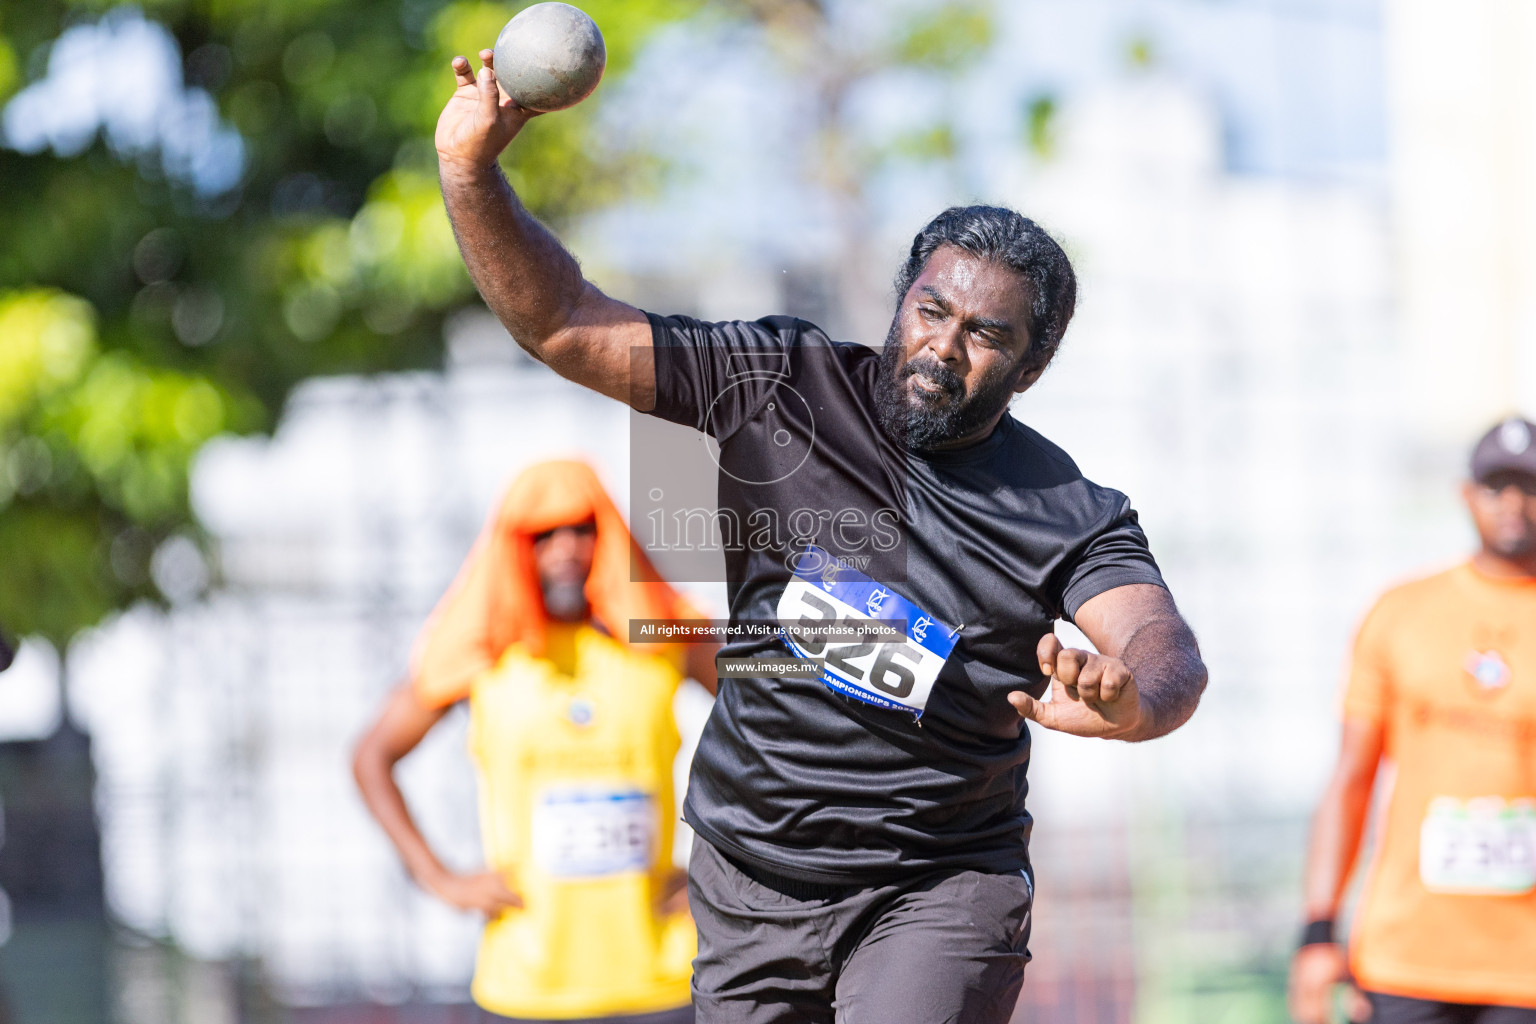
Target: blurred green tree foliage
141,312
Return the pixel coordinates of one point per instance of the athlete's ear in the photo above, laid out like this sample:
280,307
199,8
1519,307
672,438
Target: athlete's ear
1032,373
1027,381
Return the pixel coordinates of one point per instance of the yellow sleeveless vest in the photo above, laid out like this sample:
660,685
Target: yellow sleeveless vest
575,753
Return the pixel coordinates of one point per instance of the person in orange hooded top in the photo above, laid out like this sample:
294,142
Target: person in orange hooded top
571,729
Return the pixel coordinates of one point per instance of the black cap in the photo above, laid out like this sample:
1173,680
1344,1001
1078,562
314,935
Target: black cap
1509,447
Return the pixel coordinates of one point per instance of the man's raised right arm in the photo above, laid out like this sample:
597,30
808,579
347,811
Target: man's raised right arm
527,278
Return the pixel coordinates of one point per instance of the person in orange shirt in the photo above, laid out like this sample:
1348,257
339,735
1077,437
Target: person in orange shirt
572,732
1443,686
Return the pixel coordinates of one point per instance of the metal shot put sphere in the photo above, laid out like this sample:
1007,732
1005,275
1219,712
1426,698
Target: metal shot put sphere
550,56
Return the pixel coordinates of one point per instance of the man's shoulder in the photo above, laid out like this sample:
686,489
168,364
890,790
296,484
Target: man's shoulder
1043,465
1029,442
1426,592
781,327
777,334
793,330
812,358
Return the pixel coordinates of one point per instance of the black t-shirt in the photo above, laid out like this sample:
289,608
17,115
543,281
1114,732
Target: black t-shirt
999,539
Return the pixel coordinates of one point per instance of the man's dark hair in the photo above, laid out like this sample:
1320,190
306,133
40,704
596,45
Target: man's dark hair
997,233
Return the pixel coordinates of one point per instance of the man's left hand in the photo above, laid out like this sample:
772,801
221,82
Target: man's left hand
672,899
1091,694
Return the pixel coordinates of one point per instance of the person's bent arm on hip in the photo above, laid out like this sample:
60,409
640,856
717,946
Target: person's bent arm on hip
400,727
1144,683
1320,964
529,280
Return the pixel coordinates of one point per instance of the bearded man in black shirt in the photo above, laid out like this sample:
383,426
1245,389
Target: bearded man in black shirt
863,852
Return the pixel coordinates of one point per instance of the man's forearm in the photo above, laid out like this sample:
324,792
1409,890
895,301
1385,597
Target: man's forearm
381,795
1163,656
1339,823
1336,831
525,275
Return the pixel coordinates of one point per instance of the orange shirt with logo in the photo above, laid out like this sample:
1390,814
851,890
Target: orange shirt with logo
1447,667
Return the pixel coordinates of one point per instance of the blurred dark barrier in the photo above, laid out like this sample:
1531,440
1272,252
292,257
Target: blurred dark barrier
53,965
7,655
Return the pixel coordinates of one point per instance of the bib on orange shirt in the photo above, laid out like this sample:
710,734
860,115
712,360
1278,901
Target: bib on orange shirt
1447,667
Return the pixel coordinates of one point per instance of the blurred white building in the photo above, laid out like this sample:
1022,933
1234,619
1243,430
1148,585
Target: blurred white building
1231,368
1463,119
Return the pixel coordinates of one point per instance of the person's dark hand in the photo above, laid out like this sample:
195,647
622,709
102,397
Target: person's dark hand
485,891
1091,694
1316,970
672,898
479,120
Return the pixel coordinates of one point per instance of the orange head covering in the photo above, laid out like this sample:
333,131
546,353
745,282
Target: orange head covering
496,600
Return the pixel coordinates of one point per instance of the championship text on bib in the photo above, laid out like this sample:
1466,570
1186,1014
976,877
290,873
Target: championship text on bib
590,832
895,674
1484,846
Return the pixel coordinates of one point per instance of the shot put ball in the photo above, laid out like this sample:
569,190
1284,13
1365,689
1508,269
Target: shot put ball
550,56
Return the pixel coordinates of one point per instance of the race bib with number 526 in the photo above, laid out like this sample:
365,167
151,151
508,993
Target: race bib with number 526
1484,845
896,674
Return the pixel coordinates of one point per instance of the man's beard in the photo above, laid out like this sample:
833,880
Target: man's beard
1513,546
923,421
565,600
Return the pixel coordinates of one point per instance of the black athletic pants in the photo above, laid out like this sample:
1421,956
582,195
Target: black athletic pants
1387,1009
943,947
